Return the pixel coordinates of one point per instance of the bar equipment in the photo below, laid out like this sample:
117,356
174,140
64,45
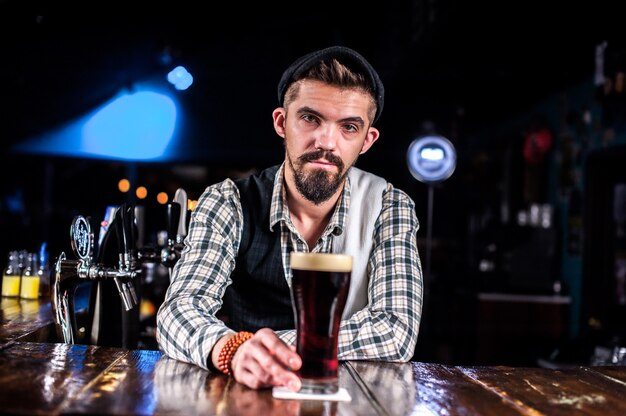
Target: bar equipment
115,267
176,229
70,273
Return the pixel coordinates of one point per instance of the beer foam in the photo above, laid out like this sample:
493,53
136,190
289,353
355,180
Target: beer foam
327,262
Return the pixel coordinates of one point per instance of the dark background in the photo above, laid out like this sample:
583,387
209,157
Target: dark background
450,67
444,61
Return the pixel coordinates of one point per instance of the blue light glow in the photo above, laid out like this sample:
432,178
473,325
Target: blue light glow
137,126
180,78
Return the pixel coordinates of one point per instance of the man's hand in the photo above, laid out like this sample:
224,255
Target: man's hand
265,360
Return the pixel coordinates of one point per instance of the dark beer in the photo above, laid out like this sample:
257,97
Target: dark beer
319,286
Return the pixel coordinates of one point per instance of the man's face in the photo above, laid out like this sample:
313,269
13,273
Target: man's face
325,130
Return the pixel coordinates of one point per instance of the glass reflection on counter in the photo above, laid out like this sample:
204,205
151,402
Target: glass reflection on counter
397,380
179,385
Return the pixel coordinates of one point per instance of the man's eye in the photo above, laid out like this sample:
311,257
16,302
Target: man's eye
309,118
351,128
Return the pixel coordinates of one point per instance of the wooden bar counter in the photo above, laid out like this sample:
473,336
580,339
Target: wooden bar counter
56,378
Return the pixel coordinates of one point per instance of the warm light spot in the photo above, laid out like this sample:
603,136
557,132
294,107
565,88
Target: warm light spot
191,204
141,192
123,185
162,198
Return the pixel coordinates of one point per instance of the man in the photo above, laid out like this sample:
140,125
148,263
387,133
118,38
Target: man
234,274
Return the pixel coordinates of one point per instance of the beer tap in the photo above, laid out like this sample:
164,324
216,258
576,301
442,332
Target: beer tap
70,273
176,225
131,259
171,252
125,231
65,283
181,198
68,276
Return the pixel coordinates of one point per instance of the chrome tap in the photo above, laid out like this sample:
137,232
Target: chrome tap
180,197
176,229
70,273
127,268
105,312
171,251
65,282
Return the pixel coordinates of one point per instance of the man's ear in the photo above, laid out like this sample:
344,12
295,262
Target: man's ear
371,136
278,115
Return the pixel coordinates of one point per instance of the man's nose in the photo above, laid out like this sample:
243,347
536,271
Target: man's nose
327,138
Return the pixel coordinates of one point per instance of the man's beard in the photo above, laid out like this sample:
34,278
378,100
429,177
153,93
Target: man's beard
319,185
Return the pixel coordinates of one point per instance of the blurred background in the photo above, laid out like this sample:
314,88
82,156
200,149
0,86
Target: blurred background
523,246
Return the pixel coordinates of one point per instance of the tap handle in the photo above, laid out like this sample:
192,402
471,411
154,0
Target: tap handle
181,197
173,218
130,228
125,229
119,230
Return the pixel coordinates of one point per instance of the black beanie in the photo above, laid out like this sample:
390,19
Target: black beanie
344,55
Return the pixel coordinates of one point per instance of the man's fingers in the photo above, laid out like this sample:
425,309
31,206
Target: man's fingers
277,348
265,360
243,376
247,359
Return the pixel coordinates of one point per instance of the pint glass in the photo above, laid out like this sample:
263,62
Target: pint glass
319,289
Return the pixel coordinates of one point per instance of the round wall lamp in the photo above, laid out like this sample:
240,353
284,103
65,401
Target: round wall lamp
431,159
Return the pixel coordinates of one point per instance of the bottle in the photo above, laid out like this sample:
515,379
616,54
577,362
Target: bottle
11,276
44,272
30,279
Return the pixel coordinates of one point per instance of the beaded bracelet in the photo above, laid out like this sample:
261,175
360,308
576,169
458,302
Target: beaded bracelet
229,349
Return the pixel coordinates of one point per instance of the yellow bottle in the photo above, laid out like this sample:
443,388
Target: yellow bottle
29,288
11,277
30,279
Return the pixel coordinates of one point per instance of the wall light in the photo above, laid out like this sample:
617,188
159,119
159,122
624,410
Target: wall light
431,159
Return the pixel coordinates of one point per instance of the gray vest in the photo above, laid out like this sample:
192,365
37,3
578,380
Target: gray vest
366,202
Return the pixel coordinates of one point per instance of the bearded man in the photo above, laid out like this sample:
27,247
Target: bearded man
229,292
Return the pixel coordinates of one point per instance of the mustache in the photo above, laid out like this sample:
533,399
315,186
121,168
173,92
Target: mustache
321,154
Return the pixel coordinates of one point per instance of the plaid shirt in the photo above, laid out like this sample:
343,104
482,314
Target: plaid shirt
387,329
